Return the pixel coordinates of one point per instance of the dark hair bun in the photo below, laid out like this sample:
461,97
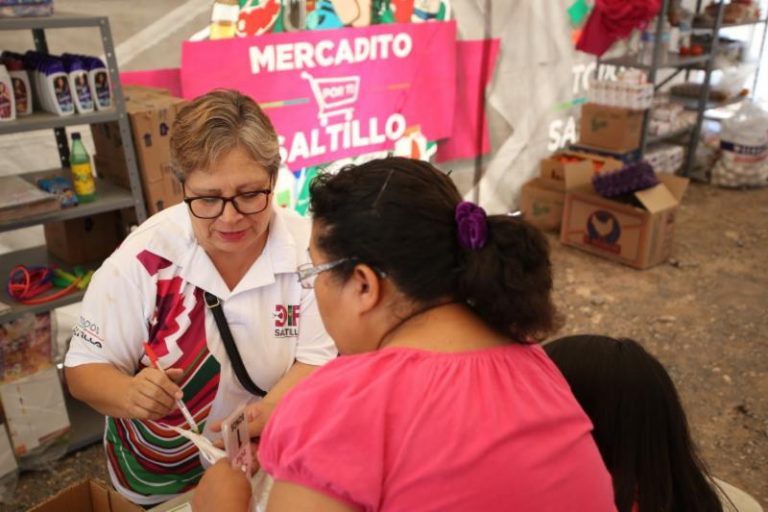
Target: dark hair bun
509,281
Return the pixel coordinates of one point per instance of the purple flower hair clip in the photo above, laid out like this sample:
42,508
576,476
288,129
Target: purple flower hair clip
472,224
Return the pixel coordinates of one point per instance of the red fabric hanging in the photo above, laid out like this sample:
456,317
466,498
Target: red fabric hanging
612,20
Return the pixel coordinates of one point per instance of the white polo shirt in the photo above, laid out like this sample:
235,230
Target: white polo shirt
151,289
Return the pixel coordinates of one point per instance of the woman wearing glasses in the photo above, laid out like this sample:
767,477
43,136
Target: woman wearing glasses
441,401
224,246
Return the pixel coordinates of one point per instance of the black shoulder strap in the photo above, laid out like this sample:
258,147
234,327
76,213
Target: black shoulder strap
214,304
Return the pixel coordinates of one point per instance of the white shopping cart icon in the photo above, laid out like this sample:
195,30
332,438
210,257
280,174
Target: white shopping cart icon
334,96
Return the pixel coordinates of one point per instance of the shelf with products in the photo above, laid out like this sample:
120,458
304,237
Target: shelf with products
654,60
45,120
34,256
57,20
109,197
672,61
693,103
87,424
707,27
661,137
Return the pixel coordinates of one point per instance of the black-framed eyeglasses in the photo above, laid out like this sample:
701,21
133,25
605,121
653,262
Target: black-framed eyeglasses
247,203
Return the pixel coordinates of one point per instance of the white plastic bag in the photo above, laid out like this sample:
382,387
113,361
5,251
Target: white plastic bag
744,149
730,78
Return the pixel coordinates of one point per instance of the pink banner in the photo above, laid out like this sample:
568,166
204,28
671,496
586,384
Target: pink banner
336,93
163,78
475,61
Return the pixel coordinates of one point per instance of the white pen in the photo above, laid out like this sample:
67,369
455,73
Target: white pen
180,403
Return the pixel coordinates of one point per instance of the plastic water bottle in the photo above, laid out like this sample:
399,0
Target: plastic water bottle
665,39
685,33
82,175
647,45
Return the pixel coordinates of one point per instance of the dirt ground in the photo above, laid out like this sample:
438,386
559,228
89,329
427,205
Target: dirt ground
704,314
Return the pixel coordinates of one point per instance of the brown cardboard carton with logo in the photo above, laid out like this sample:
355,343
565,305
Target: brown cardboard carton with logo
151,114
612,128
542,198
87,496
639,236
541,201
556,166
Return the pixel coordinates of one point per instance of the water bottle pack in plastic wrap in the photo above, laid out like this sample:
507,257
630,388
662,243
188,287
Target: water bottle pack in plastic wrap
743,160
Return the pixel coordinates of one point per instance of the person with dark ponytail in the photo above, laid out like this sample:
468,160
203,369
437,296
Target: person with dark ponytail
641,428
441,399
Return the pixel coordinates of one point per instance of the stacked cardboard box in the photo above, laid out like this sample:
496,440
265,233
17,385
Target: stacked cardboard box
637,233
542,198
151,113
610,128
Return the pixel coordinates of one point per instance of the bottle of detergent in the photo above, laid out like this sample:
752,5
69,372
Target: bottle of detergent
78,83
56,94
22,90
98,80
82,172
31,63
7,103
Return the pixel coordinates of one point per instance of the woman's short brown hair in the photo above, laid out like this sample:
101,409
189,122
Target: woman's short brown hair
217,122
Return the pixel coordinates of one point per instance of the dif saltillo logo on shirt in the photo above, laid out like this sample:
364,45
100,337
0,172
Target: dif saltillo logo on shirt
286,320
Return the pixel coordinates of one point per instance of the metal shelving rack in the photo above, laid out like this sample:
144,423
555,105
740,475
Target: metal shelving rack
108,196
688,136
87,425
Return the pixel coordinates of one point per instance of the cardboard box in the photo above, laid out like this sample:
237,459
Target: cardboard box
106,136
164,192
556,166
132,91
87,496
33,428
541,201
626,157
611,128
158,194
151,114
86,239
638,236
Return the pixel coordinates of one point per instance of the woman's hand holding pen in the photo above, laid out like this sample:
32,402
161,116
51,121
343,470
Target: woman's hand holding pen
152,393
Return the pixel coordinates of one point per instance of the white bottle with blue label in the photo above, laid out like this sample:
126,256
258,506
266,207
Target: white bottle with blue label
55,87
98,79
78,83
